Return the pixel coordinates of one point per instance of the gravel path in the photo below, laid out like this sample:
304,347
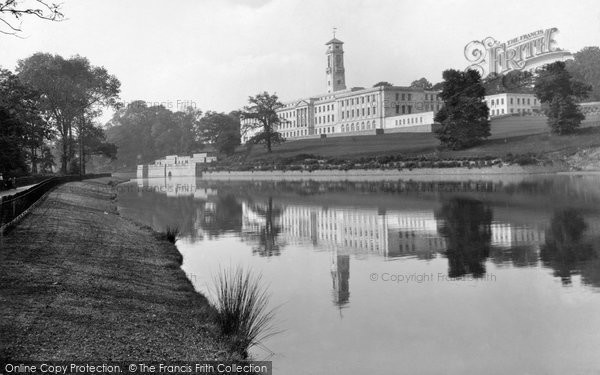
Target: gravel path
79,282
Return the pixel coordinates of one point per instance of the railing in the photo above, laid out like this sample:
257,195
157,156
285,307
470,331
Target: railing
13,207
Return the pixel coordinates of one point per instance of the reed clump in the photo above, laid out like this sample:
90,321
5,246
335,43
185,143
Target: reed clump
171,233
242,305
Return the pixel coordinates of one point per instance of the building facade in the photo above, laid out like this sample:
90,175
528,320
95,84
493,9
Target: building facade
175,166
512,103
355,111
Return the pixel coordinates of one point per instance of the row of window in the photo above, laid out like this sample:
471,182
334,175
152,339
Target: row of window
296,133
496,112
404,109
357,127
408,121
325,119
359,100
323,108
360,112
520,101
404,96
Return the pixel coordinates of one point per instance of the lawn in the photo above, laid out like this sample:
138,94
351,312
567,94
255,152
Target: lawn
516,135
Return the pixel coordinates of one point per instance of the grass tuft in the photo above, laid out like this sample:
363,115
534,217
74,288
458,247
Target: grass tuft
242,308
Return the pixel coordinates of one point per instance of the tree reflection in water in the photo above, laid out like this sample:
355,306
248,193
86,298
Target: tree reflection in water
565,250
224,216
465,223
267,236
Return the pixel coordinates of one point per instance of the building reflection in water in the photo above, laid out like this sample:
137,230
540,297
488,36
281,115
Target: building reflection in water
261,224
464,231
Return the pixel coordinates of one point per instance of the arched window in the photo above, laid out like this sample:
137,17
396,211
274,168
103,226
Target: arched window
352,126
362,126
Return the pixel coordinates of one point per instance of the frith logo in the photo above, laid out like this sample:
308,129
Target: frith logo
526,52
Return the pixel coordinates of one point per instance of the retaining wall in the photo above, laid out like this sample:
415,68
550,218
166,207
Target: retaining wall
379,174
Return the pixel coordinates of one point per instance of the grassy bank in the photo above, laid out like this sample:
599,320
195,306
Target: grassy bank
411,150
78,282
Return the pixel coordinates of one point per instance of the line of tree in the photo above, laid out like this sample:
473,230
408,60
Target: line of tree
144,133
464,116
23,129
73,94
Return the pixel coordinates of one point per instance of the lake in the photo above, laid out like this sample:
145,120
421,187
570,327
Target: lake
401,277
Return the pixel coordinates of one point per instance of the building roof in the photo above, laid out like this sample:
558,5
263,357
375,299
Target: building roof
334,40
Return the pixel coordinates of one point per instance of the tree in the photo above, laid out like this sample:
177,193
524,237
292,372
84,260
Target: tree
383,84
130,129
438,86
72,92
585,67
23,130
262,114
464,115
220,129
93,142
143,134
11,12
515,81
422,83
556,88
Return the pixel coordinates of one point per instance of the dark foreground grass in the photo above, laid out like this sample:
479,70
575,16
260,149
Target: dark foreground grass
78,282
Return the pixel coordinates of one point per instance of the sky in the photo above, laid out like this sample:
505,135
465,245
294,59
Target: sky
214,54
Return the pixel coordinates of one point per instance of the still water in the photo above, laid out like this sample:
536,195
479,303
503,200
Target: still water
401,277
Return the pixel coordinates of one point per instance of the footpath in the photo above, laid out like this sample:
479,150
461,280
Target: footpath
79,282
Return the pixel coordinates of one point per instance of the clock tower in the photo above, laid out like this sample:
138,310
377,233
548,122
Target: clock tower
336,77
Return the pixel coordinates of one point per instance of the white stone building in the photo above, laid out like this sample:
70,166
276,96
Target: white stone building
354,111
512,103
174,166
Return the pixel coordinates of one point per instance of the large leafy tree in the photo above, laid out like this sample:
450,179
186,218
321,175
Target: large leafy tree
383,84
262,115
559,92
464,115
220,129
422,83
23,131
144,133
585,67
130,129
73,92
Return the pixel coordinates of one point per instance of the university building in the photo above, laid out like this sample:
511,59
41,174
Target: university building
512,103
354,111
